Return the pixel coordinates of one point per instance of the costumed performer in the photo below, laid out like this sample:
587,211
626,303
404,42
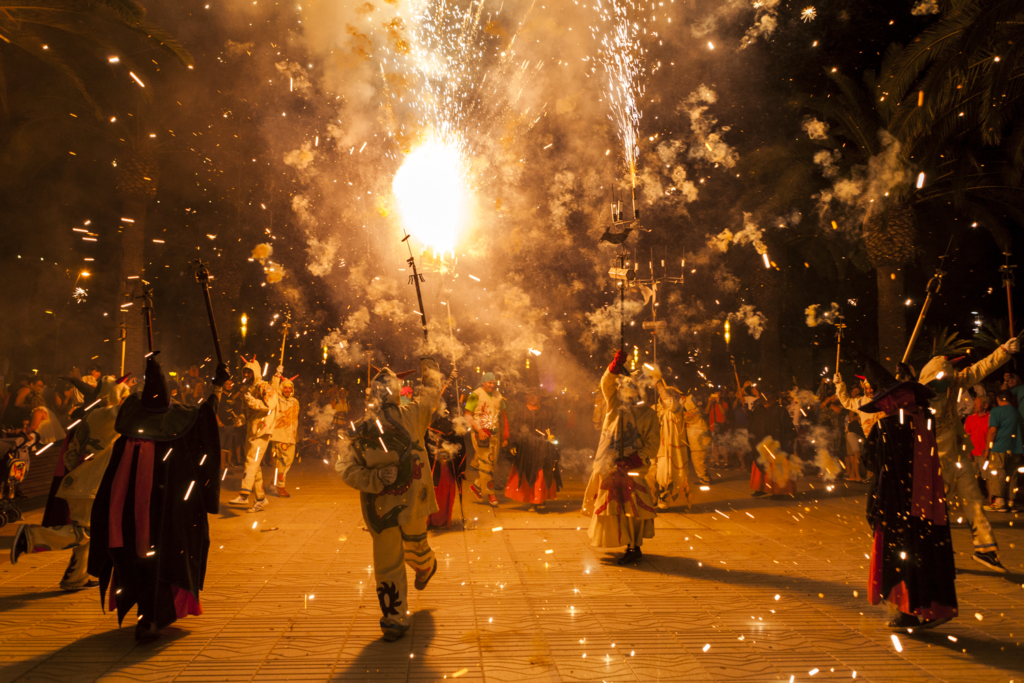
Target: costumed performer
535,476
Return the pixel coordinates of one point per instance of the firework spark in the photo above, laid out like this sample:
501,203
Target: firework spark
808,14
623,60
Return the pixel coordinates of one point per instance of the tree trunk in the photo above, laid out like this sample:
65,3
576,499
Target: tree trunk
892,312
133,242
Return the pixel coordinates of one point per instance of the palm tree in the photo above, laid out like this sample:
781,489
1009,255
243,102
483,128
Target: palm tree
64,33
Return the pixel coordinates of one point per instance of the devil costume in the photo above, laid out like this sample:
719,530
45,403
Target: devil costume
150,533
447,451
387,462
618,498
912,555
535,476
670,478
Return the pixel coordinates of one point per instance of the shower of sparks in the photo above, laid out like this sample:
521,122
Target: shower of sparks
622,57
808,14
449,59
80,295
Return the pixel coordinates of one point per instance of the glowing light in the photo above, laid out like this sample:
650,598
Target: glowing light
808,14
430,192
920,180
896,643
622,57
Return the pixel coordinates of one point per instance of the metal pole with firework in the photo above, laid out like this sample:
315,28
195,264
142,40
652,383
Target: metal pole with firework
416,279
146,295
284,335
840,326
1008,282
933,288
203,278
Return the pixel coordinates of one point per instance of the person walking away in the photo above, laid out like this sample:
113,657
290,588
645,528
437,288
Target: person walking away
386,461
1003,452
485,412
286,426
911,564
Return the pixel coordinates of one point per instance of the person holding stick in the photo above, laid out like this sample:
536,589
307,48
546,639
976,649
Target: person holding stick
485,412
286,427
385,459
958,475
260,417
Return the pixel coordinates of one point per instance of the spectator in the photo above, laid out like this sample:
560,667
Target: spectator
976,426
1004,450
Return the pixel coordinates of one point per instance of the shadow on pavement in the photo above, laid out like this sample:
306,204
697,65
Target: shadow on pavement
1003,654
11,602
392,661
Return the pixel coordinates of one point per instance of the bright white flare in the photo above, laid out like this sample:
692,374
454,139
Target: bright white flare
430,193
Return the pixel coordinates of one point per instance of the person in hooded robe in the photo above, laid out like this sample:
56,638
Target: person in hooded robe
150,532
912,565
386,461
771,427
446,447
535,476
698,437
260,401
955,446
618,499
669,478
85,460
286,427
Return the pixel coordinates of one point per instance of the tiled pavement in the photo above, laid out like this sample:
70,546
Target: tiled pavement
738,589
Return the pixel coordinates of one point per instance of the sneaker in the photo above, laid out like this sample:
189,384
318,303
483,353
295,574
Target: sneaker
242,499
758,494
20,545
424,577
282,492
995,508
704,482
259,505
904,622
88,584
492,500
476,492
990,560
392,631
146,632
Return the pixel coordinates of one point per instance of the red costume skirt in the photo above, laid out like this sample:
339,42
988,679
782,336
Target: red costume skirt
538,493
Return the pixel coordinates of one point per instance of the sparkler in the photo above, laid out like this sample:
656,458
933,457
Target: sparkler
622,57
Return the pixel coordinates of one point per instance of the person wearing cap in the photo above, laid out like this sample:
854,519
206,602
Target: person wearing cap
260,417
1003,451
150,534
535,476
485,412
385,458
85,461
911,565
286,426
618,498
954,446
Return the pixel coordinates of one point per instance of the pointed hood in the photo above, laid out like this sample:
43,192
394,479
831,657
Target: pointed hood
883,383
155,397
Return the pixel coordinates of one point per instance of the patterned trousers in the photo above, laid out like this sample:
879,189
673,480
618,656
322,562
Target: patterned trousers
393,549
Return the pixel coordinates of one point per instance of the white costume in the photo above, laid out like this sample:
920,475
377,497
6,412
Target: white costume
387,462
618,499
669,478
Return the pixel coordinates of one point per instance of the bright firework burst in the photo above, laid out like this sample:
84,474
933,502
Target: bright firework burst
808,14
431,192
622,57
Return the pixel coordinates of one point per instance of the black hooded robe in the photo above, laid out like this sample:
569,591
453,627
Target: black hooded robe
912,557
185,487
535,473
